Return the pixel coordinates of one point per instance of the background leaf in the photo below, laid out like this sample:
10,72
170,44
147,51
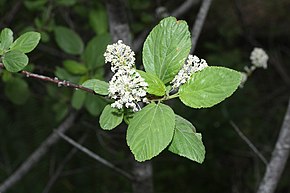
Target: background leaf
93,54
78,99
17,91
6,38
68,40
186,142
150,131
26,42
166,48
74,67
110,118
99,86
155,85
14,60
209,87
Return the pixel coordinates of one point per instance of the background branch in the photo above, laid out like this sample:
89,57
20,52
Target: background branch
199,21
279,157
95,156
31,161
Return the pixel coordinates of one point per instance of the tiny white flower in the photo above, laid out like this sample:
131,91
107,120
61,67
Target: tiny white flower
120,56
244,79
192,65
128,88
259,58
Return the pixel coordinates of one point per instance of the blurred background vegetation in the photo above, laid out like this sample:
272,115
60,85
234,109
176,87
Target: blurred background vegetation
30,109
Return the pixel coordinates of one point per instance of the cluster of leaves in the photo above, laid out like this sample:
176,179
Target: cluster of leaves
156,126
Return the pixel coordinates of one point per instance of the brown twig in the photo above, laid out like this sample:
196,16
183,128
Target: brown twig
279,157
54,80
37,154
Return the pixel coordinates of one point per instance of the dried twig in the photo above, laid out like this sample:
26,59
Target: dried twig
279,157
95,156
54,80
199,21
37,154
249,143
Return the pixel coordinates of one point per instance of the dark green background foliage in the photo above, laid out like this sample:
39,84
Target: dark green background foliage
30,109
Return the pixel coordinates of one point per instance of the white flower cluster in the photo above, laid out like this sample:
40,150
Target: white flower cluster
259,58
192,65
120,55
127,87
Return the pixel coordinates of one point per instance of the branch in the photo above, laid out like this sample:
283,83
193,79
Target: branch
183,8
61,166
37,154
200,19
249,143
95,156
54,80
279,157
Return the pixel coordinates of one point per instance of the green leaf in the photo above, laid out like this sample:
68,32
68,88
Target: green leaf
26,42
99,86
94,53
6,38
94,104
110,118
186,142
99,21
14,60
166,48
209,87
68,40
74,67
150,131
17,91
78,99
155,85
66,2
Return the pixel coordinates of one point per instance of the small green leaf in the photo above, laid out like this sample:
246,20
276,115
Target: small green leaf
156,86
93,55
6,38
209,87
95,104
68,40
66,2
99,86
150,131
110,118
166,48
17,91
74,67
78,99
26,42
14,61
186,142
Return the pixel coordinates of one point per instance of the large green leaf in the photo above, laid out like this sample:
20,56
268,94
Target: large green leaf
155,85
99,86
166,48
26,42
94,53
68,40
150,131
98,20
110,118
6,38
209,87
95,104
186,142
14,60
